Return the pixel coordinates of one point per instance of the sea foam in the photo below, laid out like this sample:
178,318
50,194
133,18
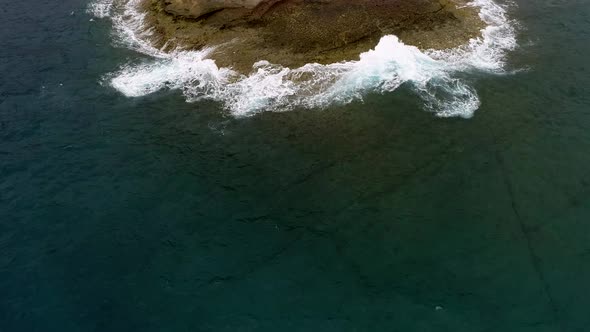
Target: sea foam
101,8
271,87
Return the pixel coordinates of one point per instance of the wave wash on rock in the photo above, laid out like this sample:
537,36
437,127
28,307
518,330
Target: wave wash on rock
273,87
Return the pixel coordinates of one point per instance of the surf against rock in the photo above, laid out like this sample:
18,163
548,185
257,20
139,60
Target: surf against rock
295,32
287,54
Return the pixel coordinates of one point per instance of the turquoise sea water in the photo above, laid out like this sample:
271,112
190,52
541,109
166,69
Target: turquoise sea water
153,214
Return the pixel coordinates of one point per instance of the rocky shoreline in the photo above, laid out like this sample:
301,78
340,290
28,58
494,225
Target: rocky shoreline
295,32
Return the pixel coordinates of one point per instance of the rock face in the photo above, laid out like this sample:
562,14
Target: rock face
198,8
295,32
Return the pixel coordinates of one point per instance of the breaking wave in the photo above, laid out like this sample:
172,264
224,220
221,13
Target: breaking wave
270,87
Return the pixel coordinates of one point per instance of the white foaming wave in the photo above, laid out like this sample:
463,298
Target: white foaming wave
100,8
271,87
176,72
487,52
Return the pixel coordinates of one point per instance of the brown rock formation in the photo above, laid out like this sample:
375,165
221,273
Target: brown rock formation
198,8
295,32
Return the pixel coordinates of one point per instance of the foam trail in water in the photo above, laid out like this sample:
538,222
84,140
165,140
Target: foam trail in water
101,8
180,71
272,87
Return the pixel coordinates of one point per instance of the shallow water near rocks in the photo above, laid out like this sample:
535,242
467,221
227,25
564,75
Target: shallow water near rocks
151,213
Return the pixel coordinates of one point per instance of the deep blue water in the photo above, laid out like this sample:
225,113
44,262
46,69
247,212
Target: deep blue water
153,214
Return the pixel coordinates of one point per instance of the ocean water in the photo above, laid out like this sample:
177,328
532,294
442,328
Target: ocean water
421,193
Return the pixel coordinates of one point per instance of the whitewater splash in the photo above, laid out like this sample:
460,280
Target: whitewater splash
271,87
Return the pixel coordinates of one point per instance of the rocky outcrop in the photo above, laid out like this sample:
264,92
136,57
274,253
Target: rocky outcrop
198,8
295,32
